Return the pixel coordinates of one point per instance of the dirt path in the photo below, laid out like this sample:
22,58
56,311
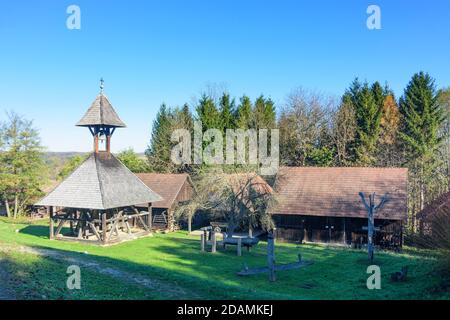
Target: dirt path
175,291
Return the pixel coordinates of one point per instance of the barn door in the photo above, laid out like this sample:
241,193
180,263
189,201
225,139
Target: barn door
335,228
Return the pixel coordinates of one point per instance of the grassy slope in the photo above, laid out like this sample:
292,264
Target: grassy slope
176,260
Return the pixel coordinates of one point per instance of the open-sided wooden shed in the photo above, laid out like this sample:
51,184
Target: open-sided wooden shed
174,188
322,204
98,200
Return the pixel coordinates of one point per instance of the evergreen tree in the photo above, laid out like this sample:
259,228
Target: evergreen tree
422,120
227,112
264,113
244,114
379,94
186,118
158,151
259,113
208,113
368,118
269,114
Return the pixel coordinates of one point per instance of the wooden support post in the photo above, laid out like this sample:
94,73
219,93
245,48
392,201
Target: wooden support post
202,242
104,228
52,235
239,247
224,236
214,242
205,236
271,256
149,217
59,227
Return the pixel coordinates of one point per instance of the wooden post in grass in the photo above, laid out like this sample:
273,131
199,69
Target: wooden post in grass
149,217
271,256
202,242
239,247
104,228
214,242
371,210
52,234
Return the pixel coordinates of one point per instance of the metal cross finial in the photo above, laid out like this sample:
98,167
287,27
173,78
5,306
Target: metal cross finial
101,85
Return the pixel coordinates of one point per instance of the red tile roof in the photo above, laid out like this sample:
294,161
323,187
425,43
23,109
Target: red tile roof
243,180
334,191
169,186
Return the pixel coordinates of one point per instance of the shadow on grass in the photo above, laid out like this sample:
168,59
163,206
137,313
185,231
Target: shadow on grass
36,230
176,261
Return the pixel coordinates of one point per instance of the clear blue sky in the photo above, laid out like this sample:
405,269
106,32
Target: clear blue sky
151,52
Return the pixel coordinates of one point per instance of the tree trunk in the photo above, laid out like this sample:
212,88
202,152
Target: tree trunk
8,210
16,205
190,223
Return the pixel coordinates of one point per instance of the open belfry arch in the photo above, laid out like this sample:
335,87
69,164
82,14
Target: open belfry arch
96,203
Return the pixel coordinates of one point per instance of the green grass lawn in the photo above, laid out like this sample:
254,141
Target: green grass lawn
177,269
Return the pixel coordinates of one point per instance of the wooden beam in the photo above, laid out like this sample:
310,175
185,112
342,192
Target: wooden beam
150,216
104,229
202,242
214,242
143,223
114,228
58,229
94,230
52,235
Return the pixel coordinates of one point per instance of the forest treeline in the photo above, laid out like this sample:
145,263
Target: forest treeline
367,126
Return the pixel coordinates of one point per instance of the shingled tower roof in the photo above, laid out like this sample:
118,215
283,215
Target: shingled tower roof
101,112
100,183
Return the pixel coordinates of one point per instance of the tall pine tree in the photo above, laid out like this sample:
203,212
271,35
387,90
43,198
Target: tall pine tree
264,113
158,151
368,112
244,114
227,112
208,113
422,121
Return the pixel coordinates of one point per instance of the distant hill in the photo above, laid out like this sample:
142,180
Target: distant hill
62,155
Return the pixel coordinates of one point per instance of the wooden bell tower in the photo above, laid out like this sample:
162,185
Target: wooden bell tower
102,121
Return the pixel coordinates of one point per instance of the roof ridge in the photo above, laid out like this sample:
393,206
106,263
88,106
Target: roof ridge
101,108
179,189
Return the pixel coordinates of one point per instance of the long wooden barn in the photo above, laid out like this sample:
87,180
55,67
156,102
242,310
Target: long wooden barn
323,205
97,202
175,189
